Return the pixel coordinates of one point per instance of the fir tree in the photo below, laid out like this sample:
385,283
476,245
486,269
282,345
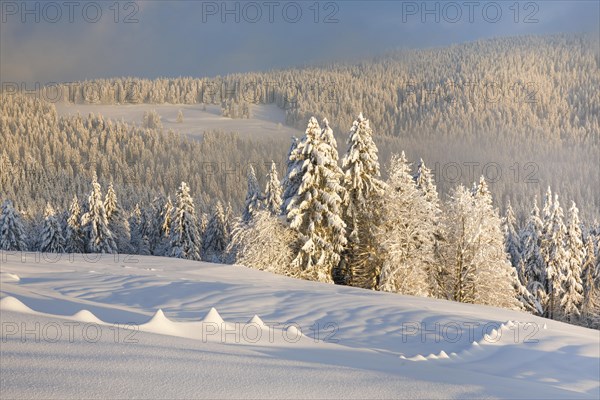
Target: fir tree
117,222
75,237
12,232
185,241
360,165
98,235
139,232
273,191
534,269
435,272
572,288
215,238
556,259
315,209
291,181
511,237
52,240
590,307
253,196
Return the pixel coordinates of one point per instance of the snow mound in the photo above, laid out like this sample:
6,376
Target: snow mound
257,321
293,332
213,317
8,277
159,323
86,316
159,317
443,355
10,303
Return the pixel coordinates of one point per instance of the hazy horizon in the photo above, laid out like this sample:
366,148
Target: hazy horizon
54,42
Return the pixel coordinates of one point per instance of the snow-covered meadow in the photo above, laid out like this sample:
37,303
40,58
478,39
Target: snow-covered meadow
266,121
268,336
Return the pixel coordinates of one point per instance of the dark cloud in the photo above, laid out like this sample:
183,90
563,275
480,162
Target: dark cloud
190,38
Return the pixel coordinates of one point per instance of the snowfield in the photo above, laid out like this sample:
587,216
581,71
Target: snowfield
267,120
115,326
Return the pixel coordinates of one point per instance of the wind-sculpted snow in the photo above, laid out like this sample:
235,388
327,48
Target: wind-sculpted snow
163,328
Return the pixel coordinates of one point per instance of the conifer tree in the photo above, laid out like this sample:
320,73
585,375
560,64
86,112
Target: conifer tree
215,237
360,165
12,232
556,259
314,211
292,178
273,191
139,232
185,242
253,196
572,288
75,238
590,307
117,222
98,235
534,269
52,239
511,237
436,274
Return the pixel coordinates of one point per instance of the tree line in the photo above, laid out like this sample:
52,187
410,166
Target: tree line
335,219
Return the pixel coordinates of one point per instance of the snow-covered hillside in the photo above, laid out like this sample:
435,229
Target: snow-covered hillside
260,340
267,120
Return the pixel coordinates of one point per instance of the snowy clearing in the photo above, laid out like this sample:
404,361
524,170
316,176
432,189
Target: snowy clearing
268,121
59,338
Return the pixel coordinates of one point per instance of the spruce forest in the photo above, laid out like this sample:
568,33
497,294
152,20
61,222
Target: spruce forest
366,195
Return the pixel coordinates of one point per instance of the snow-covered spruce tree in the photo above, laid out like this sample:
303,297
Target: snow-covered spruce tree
292,178
314,211
52,239
230,221
95,223
406,234
497,270
117,221
185,242
435,272
253,196
215,236
273,191
556,259
266,243
139,234
590,307
202,225
360,265
511,237
179,118
12,231
572,288
533,266
475,258
74,238
160,226
328,137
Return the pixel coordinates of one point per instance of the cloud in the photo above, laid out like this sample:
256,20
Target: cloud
189,38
